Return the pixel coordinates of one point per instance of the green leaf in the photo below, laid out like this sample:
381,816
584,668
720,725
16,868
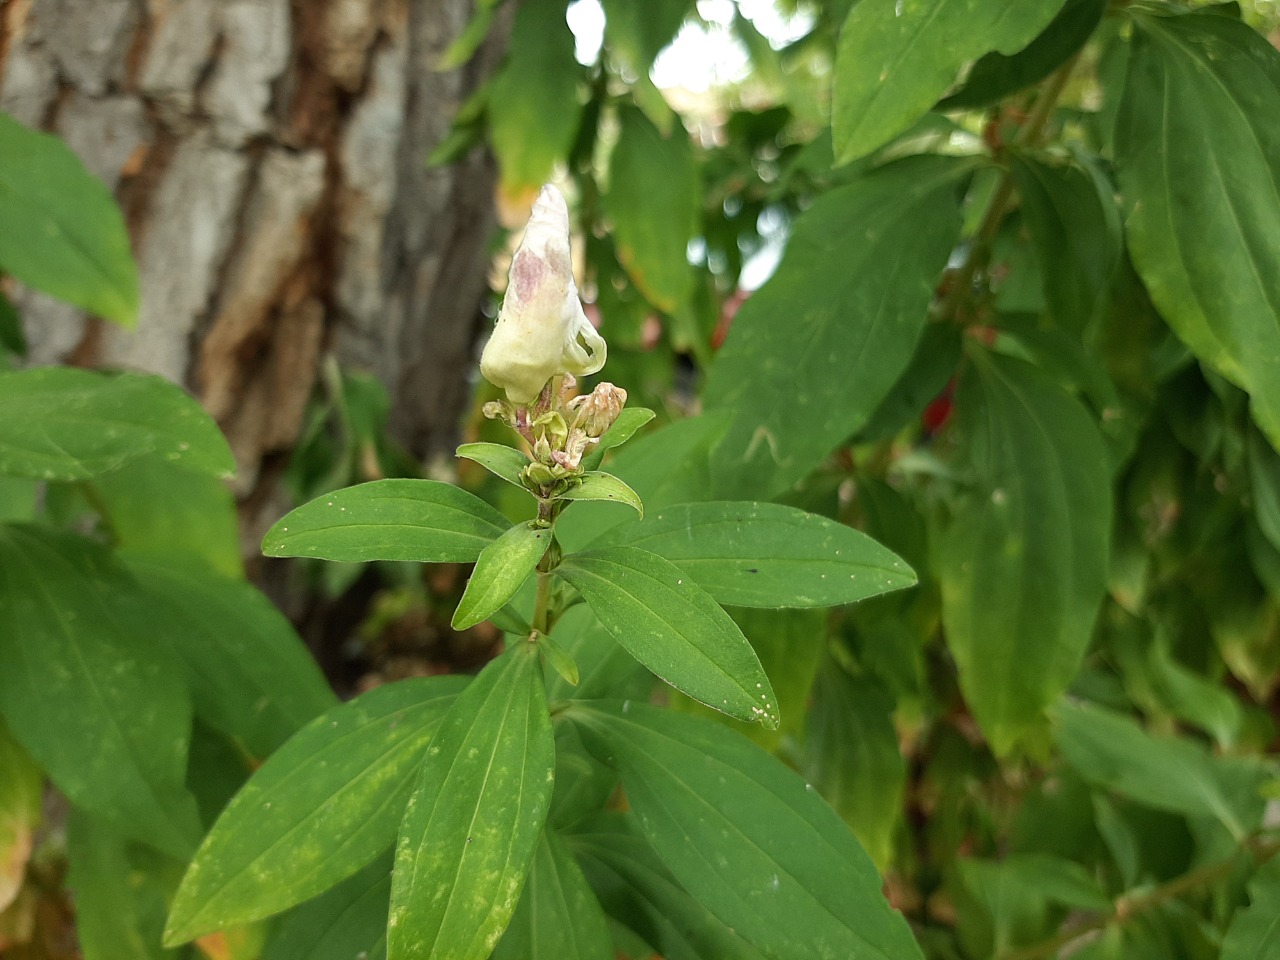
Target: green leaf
93,694
250,676
558,917
674,628
895,58
1023,564
639,891
153,505
1077,234
995,76
424,521
769,555
748,838
501,570
500,460
471,827
559,658
350,920
629,421
605,669
20,801
1112,751
636,35
1254,933
119,908
1196,155
851,755
533,104
653,204
323,806
63,423
814,351
64,234
603,486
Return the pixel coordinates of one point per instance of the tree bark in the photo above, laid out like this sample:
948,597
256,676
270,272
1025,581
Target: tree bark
270,157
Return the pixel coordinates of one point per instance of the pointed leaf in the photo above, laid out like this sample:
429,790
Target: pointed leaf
250,675
558,917
63,423
93,694
1197,151
1112,751
896,57
425,521
653,204
769,555
813,352
748,839
674,628
604,486
501,570
629,422
502,461
322,806
471,827
1023,565
64,235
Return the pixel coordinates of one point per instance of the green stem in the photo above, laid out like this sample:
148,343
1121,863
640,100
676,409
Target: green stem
542,603
1129,906
961,290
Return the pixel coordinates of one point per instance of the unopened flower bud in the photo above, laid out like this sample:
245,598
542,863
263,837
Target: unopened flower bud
541,329
597,411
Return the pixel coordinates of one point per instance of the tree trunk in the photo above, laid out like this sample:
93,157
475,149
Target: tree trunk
270,157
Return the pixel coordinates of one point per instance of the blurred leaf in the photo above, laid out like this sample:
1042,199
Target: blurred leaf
1113,752
92,693
1077,234
635,887
501,570
674,628
349,920
995,76
1196,155
424,521
322,807
119,908
597,485
153,505
1023,564
636,34
746,837
851,755
250,676
769,555
1254,933
896,57
533,100
471,828
653,204
558,917
21,787
64,234
813,352
62,423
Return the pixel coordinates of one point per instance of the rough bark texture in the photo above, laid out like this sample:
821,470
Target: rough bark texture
270,157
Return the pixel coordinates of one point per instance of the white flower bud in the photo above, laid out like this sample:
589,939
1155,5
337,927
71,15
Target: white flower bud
541,329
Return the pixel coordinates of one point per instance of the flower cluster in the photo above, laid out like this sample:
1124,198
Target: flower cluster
542,342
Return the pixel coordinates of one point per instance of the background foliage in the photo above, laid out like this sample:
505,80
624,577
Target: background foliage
1023,333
